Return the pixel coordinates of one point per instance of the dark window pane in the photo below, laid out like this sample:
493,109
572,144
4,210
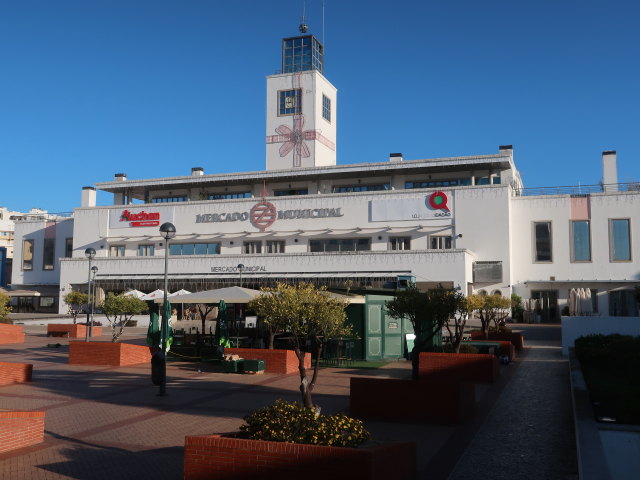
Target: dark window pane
543,242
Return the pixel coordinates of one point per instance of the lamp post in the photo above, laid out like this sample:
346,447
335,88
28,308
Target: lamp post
90,253
240,268
168,231
94,270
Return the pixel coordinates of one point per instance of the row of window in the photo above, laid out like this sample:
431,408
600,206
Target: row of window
336,189
48,253
580,241
436,242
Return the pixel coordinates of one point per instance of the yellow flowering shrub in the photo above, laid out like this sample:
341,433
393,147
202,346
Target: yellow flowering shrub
291,422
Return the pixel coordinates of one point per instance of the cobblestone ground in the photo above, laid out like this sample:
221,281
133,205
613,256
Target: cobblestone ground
528,433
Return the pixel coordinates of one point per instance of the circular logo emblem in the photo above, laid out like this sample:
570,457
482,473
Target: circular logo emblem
438,201
262,215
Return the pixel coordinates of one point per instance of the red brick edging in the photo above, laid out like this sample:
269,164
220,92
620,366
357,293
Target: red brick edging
20,429
461,367
72,330
11,333
107,353
275,360
15,372
429,401
214,457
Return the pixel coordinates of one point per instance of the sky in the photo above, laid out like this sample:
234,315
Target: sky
152,88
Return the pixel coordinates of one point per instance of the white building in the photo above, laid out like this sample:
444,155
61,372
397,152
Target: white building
464,222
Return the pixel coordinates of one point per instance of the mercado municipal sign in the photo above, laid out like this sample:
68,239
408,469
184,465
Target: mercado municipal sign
263,214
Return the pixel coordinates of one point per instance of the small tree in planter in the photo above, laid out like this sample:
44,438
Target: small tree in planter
311,316
74,302
119,310
456,322
491,309
5,309
428,312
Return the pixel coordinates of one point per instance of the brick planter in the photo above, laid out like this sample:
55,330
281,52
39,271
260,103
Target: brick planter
460,367
216,457
423,401
107,353
71,330
15,373
517,339
20,429
11,333
506,348
276,361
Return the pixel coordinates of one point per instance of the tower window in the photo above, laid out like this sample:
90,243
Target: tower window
290,102
326,108
300,54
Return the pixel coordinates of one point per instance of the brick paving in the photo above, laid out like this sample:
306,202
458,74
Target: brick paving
108,422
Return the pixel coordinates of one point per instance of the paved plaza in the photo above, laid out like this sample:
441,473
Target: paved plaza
108,422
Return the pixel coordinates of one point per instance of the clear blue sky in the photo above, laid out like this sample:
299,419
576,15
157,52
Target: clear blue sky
154,87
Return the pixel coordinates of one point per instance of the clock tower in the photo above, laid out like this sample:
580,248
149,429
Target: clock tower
301,108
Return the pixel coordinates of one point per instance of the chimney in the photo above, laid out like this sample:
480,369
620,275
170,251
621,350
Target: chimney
395,157
88,197
197,171
609,171
120,177
508,149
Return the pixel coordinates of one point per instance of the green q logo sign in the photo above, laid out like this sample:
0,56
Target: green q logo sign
438,201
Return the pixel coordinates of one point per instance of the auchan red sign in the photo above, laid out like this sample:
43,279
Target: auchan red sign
140,219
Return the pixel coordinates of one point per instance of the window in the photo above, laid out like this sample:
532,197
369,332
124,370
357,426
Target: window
361,188
438,183
194,248
340,245
68,247
619,240
622,303
47,302
483,180
146,250
326,108
252,247
274,246
294,191
580,241
542,235
441,242
228,196
48,253
400,243
177,198
116,251
290,102
27,254
301,53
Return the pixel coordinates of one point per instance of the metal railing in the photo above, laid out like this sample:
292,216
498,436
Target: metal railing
579,189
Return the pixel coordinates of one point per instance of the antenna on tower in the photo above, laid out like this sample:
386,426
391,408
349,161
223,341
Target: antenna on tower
303,26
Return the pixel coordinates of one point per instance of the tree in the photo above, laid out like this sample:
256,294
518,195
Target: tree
205,309
5,309
458,319
119,309
428,312
491,308
74,301
311,316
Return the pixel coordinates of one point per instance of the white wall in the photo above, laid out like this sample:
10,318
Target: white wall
575,327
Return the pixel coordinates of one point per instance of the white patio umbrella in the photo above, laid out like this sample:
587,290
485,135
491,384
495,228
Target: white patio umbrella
134,293
585,302
228,294
180,292
573,300
156,296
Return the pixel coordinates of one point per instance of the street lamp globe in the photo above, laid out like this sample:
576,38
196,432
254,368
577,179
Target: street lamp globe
90,253
168,230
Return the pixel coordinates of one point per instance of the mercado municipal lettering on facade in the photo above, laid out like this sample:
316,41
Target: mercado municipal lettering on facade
463,222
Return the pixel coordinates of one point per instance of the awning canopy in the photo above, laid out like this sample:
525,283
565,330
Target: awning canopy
228,294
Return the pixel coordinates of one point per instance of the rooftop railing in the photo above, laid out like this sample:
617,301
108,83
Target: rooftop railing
579,189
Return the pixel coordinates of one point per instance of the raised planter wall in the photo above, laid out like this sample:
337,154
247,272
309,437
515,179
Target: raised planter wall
15,372
276,361
214,457
20,429
506,348
72,330
11,333
107,353
517,339
460,367
423,401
